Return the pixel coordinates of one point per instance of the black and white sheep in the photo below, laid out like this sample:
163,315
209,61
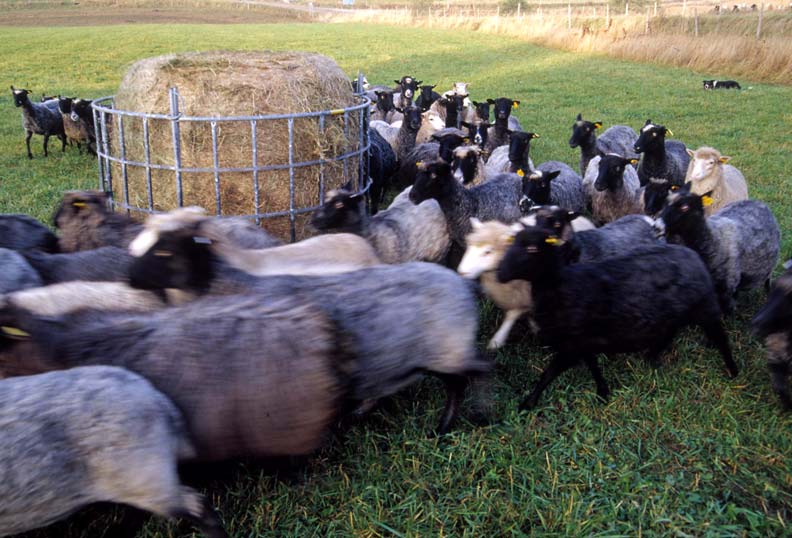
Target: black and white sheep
739,244
402,233
773,323
407,87
467,165
83,113
85,435
451,109
665,159
402,138
22,232
618,139
39,118
612,185
624,304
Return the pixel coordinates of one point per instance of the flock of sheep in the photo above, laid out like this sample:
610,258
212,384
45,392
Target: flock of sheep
126,348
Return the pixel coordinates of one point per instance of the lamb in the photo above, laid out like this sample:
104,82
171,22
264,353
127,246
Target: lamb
402,233
618,139
39,118
616,238
106,264
276,391
496,199
613,187
402,138
566,190
16,273
22,232
79,436
486,246
327,254
739,244
467,165
85,222
431,123
382,167
426,97
584,309
708,172
513,157
665,159
444,143
772,324
399,321
504,122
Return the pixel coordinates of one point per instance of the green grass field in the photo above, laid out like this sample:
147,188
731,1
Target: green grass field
679,451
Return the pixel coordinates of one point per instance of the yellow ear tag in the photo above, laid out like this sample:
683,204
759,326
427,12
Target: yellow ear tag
551,241
669,133
520,172
14,332
633,161
78,204
515,106
674,188
418,163
706,201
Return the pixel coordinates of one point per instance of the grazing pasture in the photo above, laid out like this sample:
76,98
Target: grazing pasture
681,450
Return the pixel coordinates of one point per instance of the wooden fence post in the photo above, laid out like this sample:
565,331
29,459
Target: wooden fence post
569,15
696,21
759,25
655,9
627,8
519,10
646,27
607,16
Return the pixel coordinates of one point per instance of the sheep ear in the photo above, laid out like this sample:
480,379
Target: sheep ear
690,152
433,86
552,175
668,131
491,101
648,122
475,103
465,124
597,124
579,117
397,81
418,82
476,223
724,159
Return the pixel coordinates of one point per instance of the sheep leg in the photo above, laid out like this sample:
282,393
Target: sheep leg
778,374
197,510
46,141
717,335
132,520
602,386
27,143
455,391
502,333
767,286
79,149
557,366
63,143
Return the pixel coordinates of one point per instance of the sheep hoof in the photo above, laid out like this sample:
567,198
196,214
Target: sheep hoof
733,372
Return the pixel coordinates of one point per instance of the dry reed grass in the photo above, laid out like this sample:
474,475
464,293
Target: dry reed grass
229,84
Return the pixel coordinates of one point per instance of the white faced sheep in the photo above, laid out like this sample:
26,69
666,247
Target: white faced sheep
708,172
486,245
666,159
400,320
431,123
39,118
326,254
618,139
402,233
612,185
22,232
85,435
740,243
254,376
773,323
514,157
624,304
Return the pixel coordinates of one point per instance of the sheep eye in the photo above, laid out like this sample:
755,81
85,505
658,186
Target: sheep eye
163,253
684,208
339,205
487,252
654,134
531,249
557,225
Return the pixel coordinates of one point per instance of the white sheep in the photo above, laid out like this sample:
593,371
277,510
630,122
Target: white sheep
708,171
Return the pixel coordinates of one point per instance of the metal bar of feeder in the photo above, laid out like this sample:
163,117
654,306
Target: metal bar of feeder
345,164
98,136
254,141
321,155
147,156
291,180
176,134
122,154
106,149
215,161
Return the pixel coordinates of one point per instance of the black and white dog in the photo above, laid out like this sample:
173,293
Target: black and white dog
721,85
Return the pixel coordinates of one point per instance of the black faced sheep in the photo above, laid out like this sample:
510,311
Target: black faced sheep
566,190
618,139
665,159
504,122
426,97
612,185
513,157
39,118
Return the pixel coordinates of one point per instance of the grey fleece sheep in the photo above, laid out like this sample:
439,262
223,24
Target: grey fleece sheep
254,376
85,435
402,233
39,118
618,139
102,264
625,304
773,323
496,199
663,159
566,190
740,243
21,232
399,321
612,185
442,146
16,273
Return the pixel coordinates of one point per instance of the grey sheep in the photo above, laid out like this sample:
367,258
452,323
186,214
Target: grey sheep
618,139
566,190
254,376
740,243
612,185
662,159
16,273
399,320
496,199
102,264
773,323
21,232
512,157
442,146
402,233
629,303
85,435
39,118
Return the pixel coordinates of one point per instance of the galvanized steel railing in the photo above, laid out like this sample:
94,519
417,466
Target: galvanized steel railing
106,115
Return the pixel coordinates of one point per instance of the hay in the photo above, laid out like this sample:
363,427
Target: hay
228,84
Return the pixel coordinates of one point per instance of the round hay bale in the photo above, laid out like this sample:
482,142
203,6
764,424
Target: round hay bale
232,84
